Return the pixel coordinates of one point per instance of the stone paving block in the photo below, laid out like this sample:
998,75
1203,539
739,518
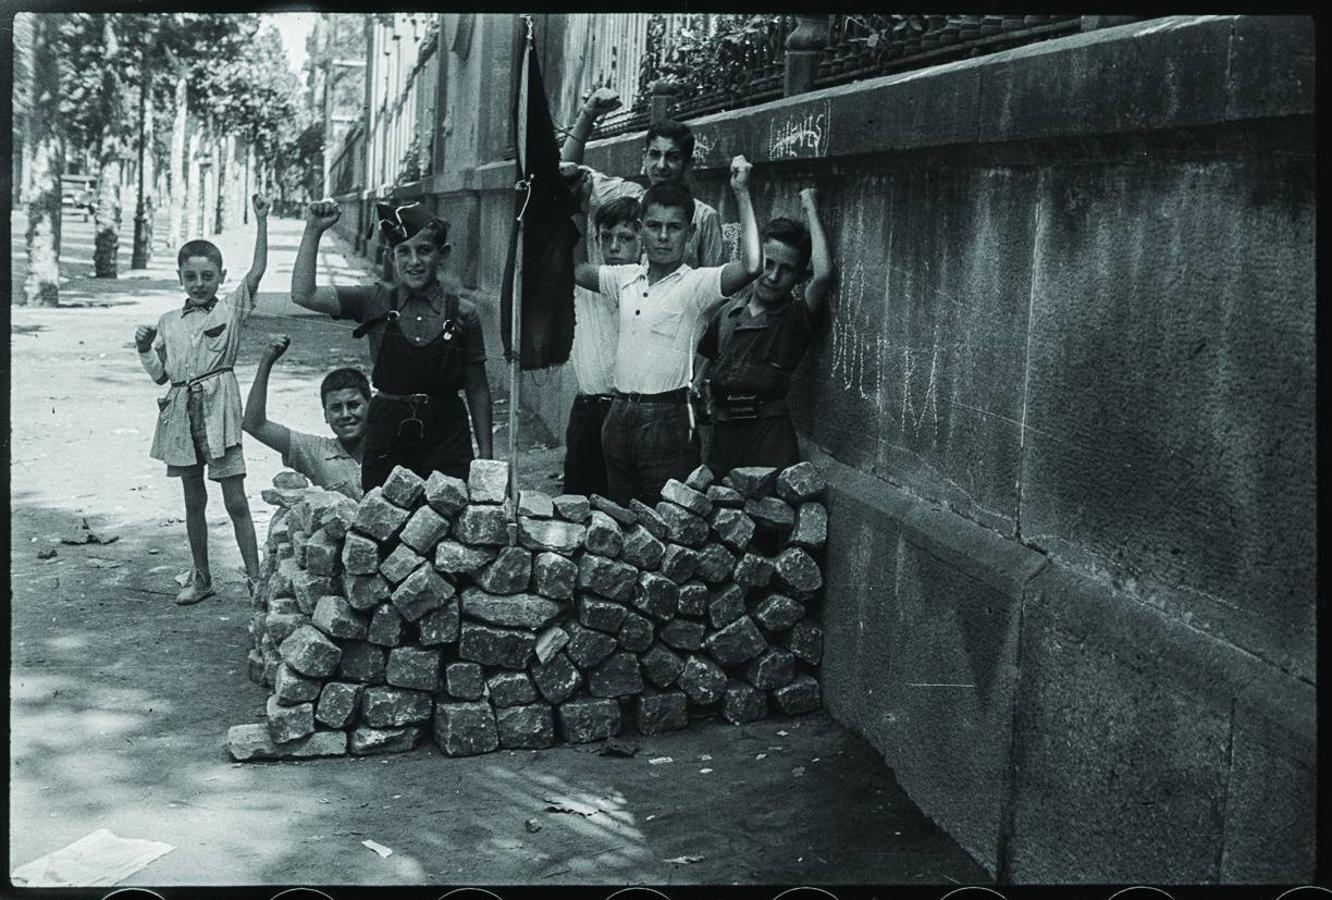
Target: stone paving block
683,634
773,668
508,574
715,564
390,707
271,662
423,591
811,526
777,612
335,617
753,481
801,482
641,550
309,588
722,495
360,555
586,720
587,648
660,712
336,519
465,680
361,662
657,595
455,558
402,562
602,615
280,584
753,571
289,480
254,667
738,642
744,703
299,540
377,517
416,668
661,667
608,577
440,626
338,703
309,652
386,626
279,626
365,740
558,679
403,487
802,695
694,599
550,535
796,569
682,526
682,495
700,479
291,687
465,728
488,480
549,642
514,611
733,527
511,689
617,512
424,530
617,676
770,513
505,647
365,592
635,633
482,524
702,680
288,723
727,605
322,554
678,563
529,727
286,551
247,742
805,641
603,536
648,519
572,507
445,494
554,576
535,504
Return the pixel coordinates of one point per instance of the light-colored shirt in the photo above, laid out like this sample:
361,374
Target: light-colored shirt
324,461
596,332
192,342
660,324
705,247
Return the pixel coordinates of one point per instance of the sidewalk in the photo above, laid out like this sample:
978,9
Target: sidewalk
121,700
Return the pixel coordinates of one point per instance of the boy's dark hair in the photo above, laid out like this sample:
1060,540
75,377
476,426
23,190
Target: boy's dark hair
621,211
669,196
341,379
672,130
206,249
789,232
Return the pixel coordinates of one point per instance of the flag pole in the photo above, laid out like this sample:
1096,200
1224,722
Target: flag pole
515,323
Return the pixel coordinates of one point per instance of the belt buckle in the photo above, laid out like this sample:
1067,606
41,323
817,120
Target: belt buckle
194,387
742,406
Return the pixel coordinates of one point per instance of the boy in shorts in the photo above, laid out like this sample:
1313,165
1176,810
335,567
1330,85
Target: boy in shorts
199,423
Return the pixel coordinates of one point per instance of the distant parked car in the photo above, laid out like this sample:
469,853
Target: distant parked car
77,193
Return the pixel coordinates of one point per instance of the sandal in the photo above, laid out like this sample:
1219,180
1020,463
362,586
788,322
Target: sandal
197,589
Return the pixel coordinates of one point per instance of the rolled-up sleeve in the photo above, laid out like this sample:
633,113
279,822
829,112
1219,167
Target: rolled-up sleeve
473,338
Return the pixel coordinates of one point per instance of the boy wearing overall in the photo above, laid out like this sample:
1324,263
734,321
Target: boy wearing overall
425,346
199,425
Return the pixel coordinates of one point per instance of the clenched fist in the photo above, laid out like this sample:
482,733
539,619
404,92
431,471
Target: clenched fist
740,169
144,336
277,348
601,101
262,205
322,214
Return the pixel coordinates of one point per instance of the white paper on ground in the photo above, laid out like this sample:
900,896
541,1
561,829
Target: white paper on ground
96,860
378,848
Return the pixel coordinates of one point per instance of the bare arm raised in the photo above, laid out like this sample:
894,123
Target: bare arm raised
816,292
738,273
319,217
255,420
261,206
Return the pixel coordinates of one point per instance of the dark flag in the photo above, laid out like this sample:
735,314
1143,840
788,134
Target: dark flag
546,310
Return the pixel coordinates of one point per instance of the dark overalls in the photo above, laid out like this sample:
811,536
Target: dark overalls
417,419
752,361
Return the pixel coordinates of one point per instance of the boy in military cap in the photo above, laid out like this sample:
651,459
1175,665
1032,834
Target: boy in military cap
425,346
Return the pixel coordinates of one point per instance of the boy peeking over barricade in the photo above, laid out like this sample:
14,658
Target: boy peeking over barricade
755,342
199,421
425,346
334,462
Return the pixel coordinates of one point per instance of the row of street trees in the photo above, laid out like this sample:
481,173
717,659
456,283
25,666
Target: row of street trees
199,107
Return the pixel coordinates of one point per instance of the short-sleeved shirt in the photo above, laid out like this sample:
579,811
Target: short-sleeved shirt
421,317
324,461
193,341
705,247
659,324
756,353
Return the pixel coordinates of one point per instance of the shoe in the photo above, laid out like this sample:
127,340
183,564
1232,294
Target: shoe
197,589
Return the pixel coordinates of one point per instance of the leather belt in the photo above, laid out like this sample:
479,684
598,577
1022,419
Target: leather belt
585,399
739,408
195,385
410,398
681,395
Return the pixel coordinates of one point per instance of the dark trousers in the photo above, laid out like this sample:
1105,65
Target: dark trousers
584,462
445,443
753,442
646,443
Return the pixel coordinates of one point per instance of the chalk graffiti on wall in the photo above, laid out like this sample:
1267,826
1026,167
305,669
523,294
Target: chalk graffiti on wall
799,135
930,402
857,336
703,144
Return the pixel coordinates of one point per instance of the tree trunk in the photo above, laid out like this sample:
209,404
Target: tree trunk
208,175
188,202
143,210
223,185
42,285
176,224
106,244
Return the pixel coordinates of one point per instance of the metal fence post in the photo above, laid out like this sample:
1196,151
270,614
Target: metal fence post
804,48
